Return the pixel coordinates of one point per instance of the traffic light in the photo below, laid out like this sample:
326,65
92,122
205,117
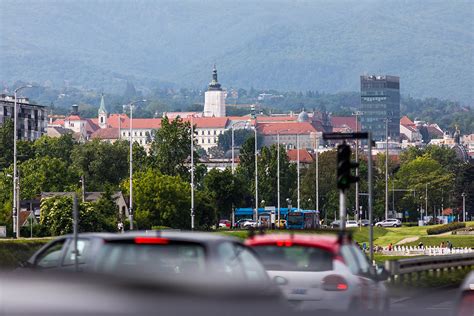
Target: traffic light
344,167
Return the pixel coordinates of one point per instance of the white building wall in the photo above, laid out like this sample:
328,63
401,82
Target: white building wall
214,104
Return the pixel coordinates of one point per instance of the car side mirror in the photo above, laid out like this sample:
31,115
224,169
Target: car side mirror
381,273
279,280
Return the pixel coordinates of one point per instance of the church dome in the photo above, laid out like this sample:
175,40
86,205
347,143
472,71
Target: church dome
303,116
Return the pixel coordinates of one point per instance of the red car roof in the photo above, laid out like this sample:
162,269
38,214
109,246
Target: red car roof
328,242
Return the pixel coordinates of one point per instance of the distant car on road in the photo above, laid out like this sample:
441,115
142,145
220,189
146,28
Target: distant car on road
240,222
336,224
224,223
364,222
391,222
318,272
249,224
351,224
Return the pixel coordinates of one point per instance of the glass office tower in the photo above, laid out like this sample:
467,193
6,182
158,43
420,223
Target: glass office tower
380,100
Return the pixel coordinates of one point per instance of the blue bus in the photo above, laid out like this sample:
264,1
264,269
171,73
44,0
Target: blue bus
303,219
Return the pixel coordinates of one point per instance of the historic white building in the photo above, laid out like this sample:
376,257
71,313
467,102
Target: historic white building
214,98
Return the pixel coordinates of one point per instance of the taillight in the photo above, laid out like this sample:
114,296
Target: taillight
151,240
334,282
284,243
466,305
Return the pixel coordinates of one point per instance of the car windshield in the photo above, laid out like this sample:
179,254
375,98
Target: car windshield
295,258
173,258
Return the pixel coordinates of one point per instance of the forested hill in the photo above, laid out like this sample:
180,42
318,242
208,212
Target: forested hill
287,45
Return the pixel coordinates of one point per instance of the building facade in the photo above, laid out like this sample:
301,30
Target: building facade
380,101
32,118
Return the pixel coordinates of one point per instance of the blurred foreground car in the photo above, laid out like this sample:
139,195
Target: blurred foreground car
465,306
318,272
158,255
63,294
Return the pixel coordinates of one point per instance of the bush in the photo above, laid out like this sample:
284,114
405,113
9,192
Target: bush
445,228
14,252
160,228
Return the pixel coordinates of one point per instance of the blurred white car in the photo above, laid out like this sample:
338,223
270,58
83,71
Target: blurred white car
391,222
317,272
350,224
465,305
249,223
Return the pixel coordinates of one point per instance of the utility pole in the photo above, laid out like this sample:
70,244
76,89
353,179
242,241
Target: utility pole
426,198
298,170
386,168
357,114
463,206
16,191
370,185
83,189
192,170
278,177
131,162
316,154
256,172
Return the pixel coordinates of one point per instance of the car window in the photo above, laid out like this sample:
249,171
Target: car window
350,258
83,246
51,256
295,258
155,260
252,267
364,266
230,264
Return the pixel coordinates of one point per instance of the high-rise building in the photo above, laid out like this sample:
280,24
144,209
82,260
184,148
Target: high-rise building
380,100
32,118
214,98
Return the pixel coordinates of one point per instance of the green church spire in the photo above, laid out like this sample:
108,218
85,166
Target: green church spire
102,108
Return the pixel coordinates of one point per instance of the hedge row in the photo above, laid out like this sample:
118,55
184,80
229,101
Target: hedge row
445,228
13,252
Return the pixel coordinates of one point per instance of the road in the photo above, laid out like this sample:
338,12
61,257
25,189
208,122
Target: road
431,302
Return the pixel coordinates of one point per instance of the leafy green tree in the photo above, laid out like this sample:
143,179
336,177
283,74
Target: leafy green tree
225,189
170,148
6,144
60,147
204,210
45,174
422,173
160,200
240,136
101,163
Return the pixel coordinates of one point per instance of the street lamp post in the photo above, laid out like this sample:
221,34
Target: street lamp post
463,206
278,177
256,172
192,173
316,154
16,191
386,168
298,169
131,104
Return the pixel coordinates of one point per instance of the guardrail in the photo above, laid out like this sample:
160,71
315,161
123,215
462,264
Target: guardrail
401,268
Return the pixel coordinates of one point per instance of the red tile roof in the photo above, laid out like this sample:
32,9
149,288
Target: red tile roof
344,122
58,122
138,123
285,128
209,122
406,121
73,118
106,133
305,156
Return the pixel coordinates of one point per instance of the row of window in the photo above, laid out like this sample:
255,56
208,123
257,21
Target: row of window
203,132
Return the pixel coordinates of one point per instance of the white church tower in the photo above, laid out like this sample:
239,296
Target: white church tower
102,113
214,98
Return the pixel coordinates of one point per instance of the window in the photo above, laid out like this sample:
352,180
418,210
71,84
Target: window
208,132
208,140
215,132
349,258
50,257
82,251
295,258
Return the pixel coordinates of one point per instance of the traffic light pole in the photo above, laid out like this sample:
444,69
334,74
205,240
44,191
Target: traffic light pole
342,209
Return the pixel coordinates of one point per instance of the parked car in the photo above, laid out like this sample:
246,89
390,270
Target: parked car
465,304
249,223
351,224
224,223
335,224
318,272
391,222
239,223
364,222
281,224
157,255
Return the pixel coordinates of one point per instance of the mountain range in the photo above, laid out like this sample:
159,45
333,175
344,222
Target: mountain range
318,45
